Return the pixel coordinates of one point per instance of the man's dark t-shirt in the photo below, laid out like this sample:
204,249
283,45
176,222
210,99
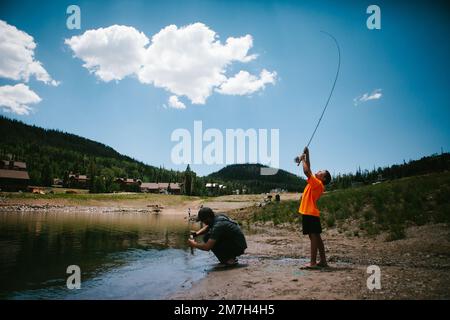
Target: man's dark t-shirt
227,232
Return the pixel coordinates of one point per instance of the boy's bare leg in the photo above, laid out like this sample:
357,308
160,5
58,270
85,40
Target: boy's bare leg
321,247
314,247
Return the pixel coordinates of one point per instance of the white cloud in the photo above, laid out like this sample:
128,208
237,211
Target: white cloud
17,56
191,61
175,103
111,53
244,83
17,98
375,95
188,61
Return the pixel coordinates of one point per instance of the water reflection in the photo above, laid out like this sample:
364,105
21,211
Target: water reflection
121,255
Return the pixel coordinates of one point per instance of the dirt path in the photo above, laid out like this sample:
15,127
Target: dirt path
417,267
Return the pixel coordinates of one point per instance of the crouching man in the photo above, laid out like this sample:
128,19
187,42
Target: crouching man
221,235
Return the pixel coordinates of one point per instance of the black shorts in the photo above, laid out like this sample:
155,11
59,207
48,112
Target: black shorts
311,224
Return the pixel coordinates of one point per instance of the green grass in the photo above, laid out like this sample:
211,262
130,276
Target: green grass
278,212
386,207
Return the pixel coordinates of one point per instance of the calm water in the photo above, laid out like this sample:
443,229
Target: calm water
121,256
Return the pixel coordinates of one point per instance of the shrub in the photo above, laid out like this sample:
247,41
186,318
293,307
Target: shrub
396,232
330,221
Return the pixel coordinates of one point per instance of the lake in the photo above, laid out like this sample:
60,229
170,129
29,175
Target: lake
121,255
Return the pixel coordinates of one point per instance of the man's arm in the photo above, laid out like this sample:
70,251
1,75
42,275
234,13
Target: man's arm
202,246
200,232
306,163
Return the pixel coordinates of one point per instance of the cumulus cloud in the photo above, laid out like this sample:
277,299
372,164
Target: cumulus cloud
374,95
17,98
17,56
244,83
110,53
175,103
188,61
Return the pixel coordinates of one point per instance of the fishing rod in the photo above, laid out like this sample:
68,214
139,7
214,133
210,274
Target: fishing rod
332,88
192,238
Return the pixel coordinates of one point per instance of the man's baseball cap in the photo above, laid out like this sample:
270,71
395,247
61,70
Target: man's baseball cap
205,213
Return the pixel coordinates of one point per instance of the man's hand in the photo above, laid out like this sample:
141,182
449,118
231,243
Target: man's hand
306,150
192,243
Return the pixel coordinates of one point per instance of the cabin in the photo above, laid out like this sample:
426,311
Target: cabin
214,188
174,188
13,175
58,183
129,184
162,187
128,181
150,187
13,165
78,181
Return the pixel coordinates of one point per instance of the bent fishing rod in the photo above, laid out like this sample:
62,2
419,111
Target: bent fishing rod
332,88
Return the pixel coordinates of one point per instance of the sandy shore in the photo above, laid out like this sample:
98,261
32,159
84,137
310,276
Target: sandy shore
163,204
417,267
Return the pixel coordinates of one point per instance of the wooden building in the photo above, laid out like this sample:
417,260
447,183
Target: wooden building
162,187
13,175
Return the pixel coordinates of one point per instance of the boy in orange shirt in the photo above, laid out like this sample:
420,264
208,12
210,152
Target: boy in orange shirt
309,211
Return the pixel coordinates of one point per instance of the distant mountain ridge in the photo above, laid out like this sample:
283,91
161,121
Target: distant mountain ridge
250,175
52,153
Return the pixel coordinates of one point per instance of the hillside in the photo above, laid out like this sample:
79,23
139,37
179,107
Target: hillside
249,175
52,153
425,165
389,207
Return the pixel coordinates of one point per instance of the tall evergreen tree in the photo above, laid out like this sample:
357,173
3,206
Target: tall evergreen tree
188,182
47,174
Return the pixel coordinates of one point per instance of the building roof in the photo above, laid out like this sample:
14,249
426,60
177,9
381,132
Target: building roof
128,180
211,185
78,176
14,174
161,185
20,164
149,185
16,164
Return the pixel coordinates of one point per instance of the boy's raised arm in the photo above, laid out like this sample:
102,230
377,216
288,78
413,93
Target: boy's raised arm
306,163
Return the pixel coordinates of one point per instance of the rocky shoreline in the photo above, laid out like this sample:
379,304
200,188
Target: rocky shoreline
65,208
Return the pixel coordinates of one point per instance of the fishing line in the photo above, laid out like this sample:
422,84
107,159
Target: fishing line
332,89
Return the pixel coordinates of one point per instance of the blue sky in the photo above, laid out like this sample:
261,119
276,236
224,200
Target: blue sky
407,60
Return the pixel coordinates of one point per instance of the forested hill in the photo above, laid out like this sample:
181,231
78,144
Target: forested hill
14,132
52,153
249,175
426,165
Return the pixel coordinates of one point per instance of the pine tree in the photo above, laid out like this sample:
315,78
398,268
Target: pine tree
92,175
188,183
47,174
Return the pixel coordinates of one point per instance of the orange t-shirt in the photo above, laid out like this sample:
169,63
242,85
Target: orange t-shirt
311,194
